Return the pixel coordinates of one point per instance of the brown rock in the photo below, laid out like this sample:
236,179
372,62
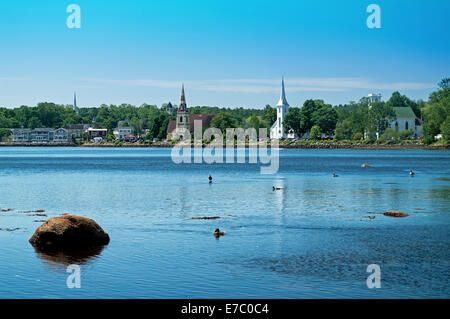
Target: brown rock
395,213
365,165
69,231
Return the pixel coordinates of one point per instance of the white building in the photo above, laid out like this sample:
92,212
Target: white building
61,135
373,97
40,135
406,120
121,132
277,129
21,135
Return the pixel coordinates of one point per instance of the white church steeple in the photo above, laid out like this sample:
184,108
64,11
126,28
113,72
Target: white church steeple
282,101
277,129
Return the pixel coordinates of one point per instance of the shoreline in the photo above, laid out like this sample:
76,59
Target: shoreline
317,145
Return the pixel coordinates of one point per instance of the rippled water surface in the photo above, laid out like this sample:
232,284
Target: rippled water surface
312,239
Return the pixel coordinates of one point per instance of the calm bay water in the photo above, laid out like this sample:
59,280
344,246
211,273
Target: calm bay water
310,240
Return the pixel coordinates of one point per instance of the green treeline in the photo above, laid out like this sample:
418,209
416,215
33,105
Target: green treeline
350,121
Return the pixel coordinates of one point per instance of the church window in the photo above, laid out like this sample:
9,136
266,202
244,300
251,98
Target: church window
406,125
181,119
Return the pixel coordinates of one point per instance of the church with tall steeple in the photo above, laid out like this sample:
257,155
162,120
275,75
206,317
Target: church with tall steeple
182,113
277,129
184,120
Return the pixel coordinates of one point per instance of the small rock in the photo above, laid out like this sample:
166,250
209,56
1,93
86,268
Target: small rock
214,217
395,213
365,165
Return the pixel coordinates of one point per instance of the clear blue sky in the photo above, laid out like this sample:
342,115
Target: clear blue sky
228,53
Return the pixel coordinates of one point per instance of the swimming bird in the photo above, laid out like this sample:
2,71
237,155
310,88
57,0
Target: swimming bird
335,175
276,188
217,233
411,173
210,179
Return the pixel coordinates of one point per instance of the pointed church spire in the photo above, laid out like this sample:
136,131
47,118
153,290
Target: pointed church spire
75,108
182,107
282,101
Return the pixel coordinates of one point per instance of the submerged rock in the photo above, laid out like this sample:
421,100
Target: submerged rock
207,217
9,229
365,165
68,232
395,213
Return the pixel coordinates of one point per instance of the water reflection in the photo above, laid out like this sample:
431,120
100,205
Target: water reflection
61,259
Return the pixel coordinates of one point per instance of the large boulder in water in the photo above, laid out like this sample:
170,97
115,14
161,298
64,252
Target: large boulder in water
69,232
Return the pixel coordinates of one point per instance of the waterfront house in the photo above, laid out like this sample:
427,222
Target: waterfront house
120,133
61,135
96,132
42,135
21,135
77,130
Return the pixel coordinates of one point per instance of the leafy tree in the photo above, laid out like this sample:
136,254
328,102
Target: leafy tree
445,129
270,115
307,112
391,135
436,111
34,122
255,122
445,83
293,121
325,117
4,132
137,126
343,130
223,120
315,132
379,117
398,100
357,136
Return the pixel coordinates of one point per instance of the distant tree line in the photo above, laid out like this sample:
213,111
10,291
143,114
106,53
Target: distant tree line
351,121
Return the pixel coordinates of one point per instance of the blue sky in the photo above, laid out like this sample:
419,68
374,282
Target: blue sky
228,53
